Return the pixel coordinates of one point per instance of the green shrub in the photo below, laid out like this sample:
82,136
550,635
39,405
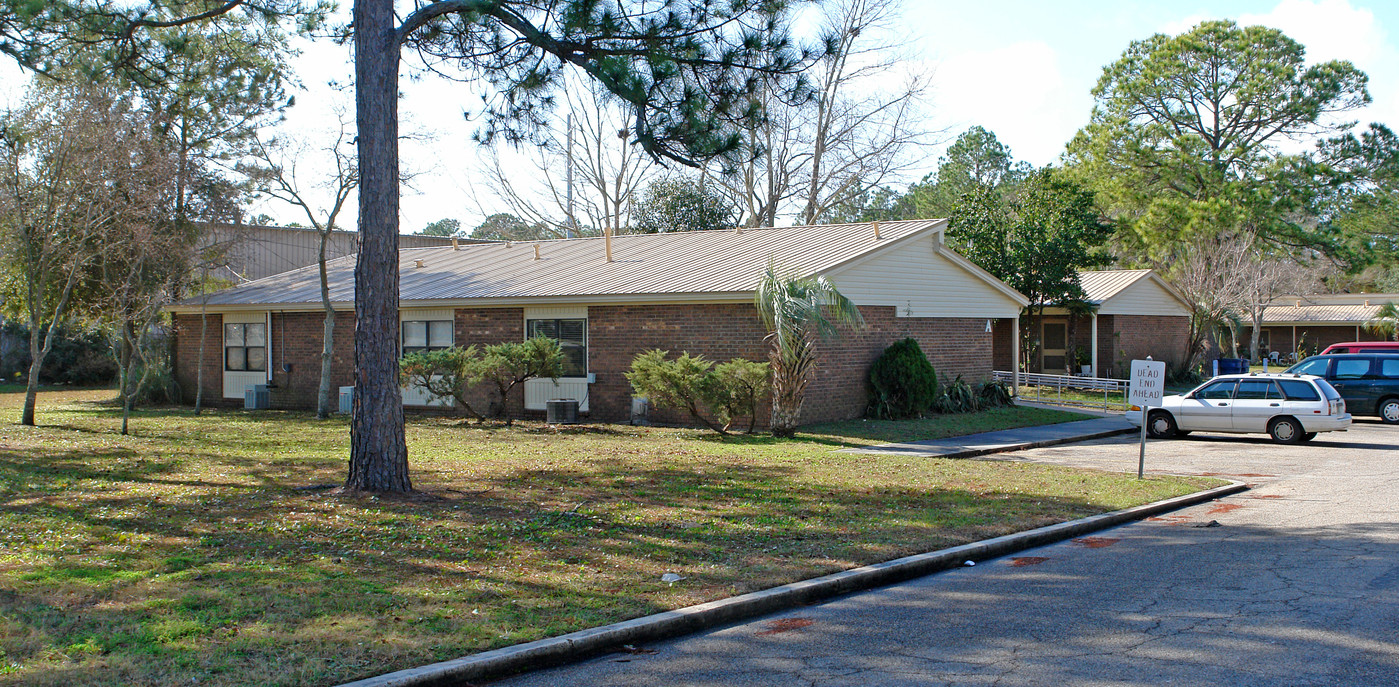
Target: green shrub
444,373
903,384
994,394
508,365
80,356
735,388
957,397
691,383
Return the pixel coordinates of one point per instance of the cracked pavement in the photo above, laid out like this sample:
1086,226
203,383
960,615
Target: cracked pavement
1298,585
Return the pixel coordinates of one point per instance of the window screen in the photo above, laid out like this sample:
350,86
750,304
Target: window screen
1352,368
245,347
1218,391
1257,390
426,335
572,336
1299,390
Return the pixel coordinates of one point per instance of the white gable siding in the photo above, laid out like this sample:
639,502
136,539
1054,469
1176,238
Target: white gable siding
919,282
1145,297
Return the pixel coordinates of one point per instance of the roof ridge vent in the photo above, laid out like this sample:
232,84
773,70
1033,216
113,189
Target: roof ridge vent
419,264
875,224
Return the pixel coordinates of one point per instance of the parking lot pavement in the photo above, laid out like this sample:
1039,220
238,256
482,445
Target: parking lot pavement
1295,582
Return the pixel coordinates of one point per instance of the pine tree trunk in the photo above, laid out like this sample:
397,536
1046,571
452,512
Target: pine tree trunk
378,452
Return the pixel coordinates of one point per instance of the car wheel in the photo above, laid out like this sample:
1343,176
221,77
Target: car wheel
1389,411
1160,425
1308,436
1285,430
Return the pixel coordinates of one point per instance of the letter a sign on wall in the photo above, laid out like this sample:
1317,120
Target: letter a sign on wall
1148,385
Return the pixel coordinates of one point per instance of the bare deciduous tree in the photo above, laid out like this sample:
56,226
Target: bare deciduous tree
1207,275
1262,278
609,170
277,176
855,133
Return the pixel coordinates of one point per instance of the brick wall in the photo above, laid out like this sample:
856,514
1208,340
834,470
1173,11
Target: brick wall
1137,336
955,346
186,331
296,340
1002,344
485,326
1310,336
617,334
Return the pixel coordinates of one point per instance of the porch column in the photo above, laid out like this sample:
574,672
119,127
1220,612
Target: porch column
1294,339
1093,346
1015,353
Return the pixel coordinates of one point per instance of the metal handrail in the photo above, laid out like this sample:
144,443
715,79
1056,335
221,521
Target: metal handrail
1059,383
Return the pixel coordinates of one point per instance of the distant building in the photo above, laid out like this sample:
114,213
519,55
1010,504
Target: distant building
254,251
1311,322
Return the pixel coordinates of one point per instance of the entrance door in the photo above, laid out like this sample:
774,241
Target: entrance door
1054,337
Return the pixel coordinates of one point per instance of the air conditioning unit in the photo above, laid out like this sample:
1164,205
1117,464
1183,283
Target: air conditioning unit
257,397
561,411
347,400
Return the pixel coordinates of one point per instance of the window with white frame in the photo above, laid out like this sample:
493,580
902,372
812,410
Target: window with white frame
572,335
426,335
245,347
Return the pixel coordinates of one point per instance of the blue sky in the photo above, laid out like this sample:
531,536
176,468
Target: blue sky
1022,68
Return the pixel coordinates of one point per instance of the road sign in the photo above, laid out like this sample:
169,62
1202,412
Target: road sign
1147,387
1148,383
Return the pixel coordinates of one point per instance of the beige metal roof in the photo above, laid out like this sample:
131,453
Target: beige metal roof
1328,308
696,262
1100,285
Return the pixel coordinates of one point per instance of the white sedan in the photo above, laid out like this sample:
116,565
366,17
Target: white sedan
1291,408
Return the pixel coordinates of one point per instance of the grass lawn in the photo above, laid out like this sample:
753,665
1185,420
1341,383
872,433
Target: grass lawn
190,553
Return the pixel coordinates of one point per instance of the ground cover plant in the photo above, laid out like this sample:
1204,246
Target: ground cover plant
193,551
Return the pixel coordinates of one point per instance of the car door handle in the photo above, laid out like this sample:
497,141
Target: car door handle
1274,405
1223,405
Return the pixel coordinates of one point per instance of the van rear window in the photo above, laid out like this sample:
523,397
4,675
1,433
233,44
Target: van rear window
1299,390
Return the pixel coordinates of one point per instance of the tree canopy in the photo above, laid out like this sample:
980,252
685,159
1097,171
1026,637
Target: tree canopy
676,203
1205,133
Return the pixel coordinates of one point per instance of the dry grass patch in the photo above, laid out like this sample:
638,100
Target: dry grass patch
191,551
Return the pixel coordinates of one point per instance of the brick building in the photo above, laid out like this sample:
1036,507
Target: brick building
607,300
1131,314
1310,323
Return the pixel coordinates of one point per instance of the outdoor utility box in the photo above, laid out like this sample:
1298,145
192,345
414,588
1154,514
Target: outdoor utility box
257,397
561,411
640,411
347,399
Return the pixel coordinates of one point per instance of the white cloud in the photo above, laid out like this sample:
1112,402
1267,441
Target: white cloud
1018,92
1330,29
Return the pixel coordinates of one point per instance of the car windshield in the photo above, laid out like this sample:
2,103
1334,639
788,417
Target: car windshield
1329,390
1310,366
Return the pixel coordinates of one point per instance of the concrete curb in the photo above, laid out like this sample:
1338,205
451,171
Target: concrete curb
1003,448
584,643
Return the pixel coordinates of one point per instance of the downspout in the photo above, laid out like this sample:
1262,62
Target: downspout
1093,344
268,362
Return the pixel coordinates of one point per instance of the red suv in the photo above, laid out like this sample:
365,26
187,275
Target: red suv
1363,347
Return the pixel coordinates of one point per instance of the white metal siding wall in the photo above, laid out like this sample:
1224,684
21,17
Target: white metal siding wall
538,391
919,282
1145,297
235,384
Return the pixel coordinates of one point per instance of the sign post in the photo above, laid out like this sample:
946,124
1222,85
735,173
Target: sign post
1146,388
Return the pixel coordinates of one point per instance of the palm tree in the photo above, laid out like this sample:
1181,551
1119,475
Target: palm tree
1386,321
797,311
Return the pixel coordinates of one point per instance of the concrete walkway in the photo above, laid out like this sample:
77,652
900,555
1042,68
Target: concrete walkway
1007,439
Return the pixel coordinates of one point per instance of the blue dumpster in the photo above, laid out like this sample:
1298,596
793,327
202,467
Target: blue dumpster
1233,366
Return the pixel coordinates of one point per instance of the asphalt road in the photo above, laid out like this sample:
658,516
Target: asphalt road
1298,584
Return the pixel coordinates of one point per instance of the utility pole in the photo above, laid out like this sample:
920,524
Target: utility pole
568,228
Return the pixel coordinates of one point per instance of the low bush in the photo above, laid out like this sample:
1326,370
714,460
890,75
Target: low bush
994,394
695,385
445,373
903,384
957,397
